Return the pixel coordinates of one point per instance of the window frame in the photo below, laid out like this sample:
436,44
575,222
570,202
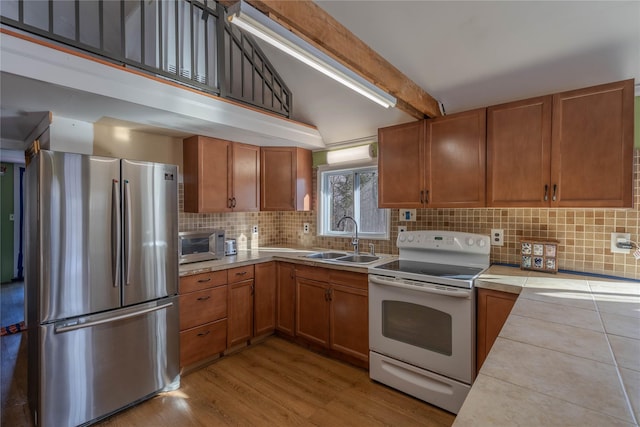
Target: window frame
323,207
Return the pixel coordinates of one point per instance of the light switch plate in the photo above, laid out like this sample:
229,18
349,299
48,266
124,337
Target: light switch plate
407,214
254,229
305,228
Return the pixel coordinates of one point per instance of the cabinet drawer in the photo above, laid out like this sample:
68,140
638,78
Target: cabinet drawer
202,342
202,281
197,308
349,278
239,274
313,273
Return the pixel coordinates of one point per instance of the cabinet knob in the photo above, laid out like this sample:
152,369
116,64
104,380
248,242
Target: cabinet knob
202,334
555,187
546,192
422,196
208,279
204,298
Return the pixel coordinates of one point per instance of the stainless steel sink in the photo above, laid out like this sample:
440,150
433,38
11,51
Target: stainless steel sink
326,255
358,259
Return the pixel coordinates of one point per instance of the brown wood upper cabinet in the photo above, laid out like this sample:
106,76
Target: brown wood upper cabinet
220,176
572,149
433,163
285,179
592,146
519,153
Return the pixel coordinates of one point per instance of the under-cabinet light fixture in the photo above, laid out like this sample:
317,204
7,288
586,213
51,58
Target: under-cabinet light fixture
254,22
352,154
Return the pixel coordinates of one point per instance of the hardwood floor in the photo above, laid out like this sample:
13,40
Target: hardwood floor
276,383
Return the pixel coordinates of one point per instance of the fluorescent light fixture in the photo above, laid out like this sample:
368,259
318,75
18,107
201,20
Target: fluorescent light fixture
352,154
255,22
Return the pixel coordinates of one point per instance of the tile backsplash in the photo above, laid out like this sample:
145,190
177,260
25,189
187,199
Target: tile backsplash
584,234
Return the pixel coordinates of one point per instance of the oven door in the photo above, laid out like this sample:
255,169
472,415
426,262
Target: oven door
424,324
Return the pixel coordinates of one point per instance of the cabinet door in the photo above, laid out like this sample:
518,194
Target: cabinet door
592,146
519,153
240,312
493,309
206,174
349,320
455,159
208,305
246,178
264,299
401,166
285,179
286,299
312,309
204,341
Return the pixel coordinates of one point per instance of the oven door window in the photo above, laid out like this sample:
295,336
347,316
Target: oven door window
195,246
417,325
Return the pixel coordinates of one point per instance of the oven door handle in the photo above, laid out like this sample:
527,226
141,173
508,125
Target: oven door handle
462,293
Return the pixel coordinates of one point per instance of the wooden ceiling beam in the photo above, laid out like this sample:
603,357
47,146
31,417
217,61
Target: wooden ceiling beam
309,21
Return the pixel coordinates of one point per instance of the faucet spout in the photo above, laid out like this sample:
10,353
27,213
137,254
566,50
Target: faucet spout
354,241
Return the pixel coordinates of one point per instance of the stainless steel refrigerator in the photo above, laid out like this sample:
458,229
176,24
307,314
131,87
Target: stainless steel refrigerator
101,278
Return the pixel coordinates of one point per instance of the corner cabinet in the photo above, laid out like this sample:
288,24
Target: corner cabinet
285,179
572,149
433,163
220,176
264,299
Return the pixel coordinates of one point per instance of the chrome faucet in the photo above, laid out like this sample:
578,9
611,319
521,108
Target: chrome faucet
354,241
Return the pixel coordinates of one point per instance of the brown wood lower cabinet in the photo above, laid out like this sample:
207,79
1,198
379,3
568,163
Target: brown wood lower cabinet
240,305
202,342
264,299
286,299
332,311
493,309
203,317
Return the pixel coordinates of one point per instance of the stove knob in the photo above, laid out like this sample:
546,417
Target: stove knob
402,237
470,241
410,238
482,243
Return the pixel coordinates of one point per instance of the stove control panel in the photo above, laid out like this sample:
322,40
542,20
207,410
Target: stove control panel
444,241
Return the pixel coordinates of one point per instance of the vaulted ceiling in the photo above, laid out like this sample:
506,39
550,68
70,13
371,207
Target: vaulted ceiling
464,54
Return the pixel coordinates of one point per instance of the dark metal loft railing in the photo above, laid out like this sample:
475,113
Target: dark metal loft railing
187,41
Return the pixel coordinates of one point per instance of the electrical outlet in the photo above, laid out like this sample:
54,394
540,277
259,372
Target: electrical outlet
407,214
497,237
254,229
620,237
402,229
305,228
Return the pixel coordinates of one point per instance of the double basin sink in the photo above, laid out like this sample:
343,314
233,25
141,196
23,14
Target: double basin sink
343,257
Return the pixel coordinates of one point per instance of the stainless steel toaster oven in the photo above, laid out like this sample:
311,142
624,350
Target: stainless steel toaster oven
200,245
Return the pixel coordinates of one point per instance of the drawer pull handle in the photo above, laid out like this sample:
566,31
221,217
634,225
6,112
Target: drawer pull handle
204,280
202,334
204,298
242,273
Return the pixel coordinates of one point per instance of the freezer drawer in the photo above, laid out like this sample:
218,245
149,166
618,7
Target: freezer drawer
96,365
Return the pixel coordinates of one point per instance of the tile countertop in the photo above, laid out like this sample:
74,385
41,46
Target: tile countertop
568,354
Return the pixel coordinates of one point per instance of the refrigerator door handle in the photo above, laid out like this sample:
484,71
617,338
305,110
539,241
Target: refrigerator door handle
73,327
127,232
116,237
